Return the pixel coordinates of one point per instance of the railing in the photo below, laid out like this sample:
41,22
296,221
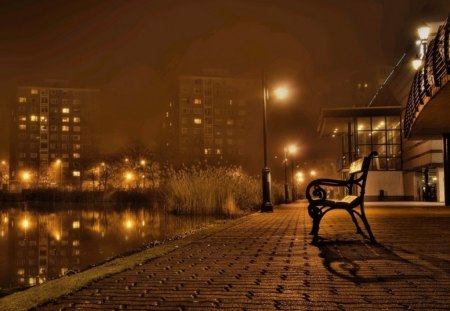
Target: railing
430,78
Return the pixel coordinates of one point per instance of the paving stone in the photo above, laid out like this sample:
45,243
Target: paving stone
266,262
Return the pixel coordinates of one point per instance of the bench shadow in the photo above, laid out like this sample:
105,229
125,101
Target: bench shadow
353,260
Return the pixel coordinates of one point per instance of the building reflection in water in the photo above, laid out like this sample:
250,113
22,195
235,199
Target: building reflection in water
36,246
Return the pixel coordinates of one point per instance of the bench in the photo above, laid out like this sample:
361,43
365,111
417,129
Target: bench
355,185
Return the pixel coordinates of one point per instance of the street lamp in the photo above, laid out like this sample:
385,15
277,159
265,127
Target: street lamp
59,164
423,32
267,205
286,187
292,149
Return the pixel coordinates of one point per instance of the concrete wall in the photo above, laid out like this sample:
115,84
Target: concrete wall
389,181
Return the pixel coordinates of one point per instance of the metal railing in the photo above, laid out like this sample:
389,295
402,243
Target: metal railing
430,78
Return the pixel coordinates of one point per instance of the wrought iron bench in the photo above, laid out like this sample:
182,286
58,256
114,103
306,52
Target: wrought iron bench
319,204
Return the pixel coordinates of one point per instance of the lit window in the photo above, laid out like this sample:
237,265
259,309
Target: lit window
65,119
198,121
22,118
218,151
22,127
230,122
65,128
197,101
76,155
76,224
32,281
76,173
34,91
20,271
65,110
76,147
76,119
43,119
22,99
75,243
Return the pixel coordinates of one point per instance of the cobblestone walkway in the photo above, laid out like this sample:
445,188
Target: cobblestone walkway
266,262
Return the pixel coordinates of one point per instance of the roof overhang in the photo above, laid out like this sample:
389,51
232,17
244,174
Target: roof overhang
334,120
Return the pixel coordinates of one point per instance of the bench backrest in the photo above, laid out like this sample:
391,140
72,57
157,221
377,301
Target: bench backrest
359,170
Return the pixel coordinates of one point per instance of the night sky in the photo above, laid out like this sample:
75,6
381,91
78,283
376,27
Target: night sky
132,50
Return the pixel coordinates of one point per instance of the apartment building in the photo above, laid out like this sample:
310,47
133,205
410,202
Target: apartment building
47,137
209,120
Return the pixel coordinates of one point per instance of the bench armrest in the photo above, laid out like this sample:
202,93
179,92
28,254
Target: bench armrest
314,188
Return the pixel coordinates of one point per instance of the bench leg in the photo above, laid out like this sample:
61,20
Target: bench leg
355,221
366,224
315,227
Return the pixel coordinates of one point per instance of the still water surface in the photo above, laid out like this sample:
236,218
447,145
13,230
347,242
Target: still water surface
38,245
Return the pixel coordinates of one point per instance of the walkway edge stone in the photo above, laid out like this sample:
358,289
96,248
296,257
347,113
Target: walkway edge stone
38,295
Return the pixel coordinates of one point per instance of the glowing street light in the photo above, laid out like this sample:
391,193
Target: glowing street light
26,176
25,224
313,173
300,177
424,32
417,63
129,176
281,93
143,162
267,205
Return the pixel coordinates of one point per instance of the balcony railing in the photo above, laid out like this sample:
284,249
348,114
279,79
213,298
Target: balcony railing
430,78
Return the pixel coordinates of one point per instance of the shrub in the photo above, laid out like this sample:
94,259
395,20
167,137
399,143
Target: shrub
211,190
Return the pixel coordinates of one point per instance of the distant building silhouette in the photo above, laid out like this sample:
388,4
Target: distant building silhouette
210,120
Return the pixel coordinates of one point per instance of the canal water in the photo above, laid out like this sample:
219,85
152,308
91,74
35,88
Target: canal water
40,244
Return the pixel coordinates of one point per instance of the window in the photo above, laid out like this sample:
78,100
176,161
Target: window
64,137
76,128
63,146
76,119
33,155
218,151
65,128
230,122
76,137
197,121
76,155
22,99
53,128
22,127
65,119
76,147
197,101
65,110
76,173
34,91
76,224
22,118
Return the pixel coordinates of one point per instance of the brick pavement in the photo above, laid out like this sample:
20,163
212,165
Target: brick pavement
266,262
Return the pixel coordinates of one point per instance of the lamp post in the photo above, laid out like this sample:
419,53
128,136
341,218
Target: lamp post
286,187
59,163
292,149
266,205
